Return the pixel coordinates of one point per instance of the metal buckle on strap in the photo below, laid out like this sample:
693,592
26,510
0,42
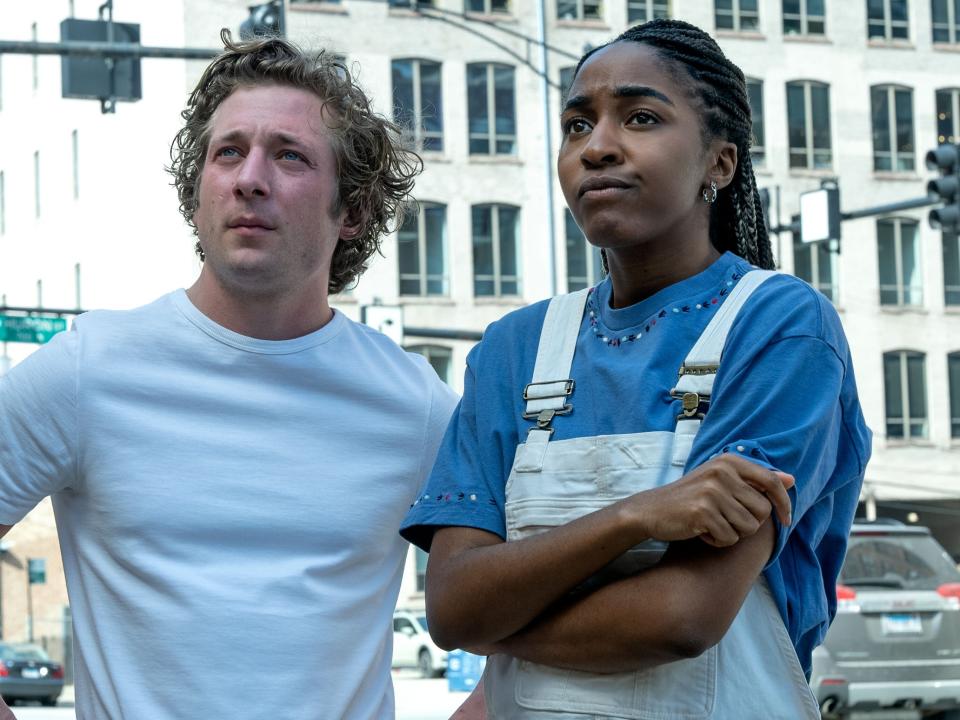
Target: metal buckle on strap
692,403
697,370
539,414
568,385
545,417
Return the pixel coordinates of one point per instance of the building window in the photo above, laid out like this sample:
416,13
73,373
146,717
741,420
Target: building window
804,17
410,4
951,267
418,102
948,115
492,109
946,21
3,204
420,558
641,11
758,153
953,372
75,148
35,68
566,80
892,128
439,357
420,251
814,263
808,118
898,249
489,7
904,386
495,250
584,267
579,9
888,19
737,15
36,183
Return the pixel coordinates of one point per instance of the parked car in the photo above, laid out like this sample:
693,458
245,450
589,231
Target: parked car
413,647
28,673
894,646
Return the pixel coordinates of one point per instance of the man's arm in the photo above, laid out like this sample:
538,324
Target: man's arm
481,590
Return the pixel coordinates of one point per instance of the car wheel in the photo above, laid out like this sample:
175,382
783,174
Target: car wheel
49,701
425,663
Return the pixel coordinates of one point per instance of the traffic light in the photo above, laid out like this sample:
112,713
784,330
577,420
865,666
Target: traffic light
946,188
265,20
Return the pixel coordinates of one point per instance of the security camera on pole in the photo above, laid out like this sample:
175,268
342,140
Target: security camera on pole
946,188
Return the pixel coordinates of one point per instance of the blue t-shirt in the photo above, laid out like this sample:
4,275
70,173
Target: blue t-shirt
784,397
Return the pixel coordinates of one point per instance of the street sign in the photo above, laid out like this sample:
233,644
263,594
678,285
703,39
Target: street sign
30,328
37,571
820,214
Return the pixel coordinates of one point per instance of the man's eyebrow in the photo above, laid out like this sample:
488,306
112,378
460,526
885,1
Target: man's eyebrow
276,137
641,91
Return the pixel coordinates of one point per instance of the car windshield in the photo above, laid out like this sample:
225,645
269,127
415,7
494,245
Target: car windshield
886,560
23,652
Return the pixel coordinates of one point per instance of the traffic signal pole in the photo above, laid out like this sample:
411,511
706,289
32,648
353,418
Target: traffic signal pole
100,49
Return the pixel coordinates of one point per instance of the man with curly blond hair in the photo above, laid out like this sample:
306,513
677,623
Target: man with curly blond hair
229,465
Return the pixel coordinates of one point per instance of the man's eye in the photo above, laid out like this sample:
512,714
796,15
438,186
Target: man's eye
228,152
291,155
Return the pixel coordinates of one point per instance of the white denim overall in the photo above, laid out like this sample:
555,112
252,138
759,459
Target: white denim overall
754,671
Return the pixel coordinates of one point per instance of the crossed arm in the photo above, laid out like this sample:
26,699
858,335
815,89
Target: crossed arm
490,596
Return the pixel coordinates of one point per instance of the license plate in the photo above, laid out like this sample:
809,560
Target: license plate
32,673
901,624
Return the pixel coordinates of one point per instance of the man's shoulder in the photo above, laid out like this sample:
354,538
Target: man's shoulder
114,321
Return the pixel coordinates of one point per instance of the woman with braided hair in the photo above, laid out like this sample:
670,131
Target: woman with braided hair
608,517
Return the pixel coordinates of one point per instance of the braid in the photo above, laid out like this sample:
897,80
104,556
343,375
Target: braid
736,218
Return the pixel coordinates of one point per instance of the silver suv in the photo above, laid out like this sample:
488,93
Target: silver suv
894,648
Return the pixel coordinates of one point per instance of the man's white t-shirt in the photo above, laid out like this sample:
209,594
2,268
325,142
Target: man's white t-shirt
227,507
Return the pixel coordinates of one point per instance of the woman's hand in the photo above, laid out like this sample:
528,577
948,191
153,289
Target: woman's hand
722,501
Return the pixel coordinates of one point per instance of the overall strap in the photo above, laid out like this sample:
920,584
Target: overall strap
551,386
696,375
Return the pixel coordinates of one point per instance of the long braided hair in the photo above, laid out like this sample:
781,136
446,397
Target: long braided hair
736,218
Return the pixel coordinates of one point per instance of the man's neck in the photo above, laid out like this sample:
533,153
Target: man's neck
279,316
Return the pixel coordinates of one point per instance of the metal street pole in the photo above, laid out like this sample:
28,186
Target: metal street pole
100,49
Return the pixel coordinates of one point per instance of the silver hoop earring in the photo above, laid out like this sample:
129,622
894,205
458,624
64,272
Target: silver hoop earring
710,194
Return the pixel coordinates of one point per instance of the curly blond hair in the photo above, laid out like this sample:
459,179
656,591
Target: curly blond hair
375,170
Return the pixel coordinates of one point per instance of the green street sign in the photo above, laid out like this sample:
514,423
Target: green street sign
30,329
36,571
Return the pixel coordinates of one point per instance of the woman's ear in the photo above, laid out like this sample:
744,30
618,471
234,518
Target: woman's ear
724,166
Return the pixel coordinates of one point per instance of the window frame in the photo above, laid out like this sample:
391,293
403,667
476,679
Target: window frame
581,15
951,292
952,27
432,353
895,153
591,257
488,8
492,136
737,14
804,17
832,290
498,277
900,286
649,9
888,23
953,96
422,276
809,150
906,420
416,126
953,390
758,150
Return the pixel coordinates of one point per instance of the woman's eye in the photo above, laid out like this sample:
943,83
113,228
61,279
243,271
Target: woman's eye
575,125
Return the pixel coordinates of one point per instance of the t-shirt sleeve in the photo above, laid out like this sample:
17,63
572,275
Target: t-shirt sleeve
38,427
777,402
462,489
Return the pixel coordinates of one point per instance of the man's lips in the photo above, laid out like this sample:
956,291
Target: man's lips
600,183
250,225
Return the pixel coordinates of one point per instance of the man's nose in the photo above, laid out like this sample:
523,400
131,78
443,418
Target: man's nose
603,146
253,176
